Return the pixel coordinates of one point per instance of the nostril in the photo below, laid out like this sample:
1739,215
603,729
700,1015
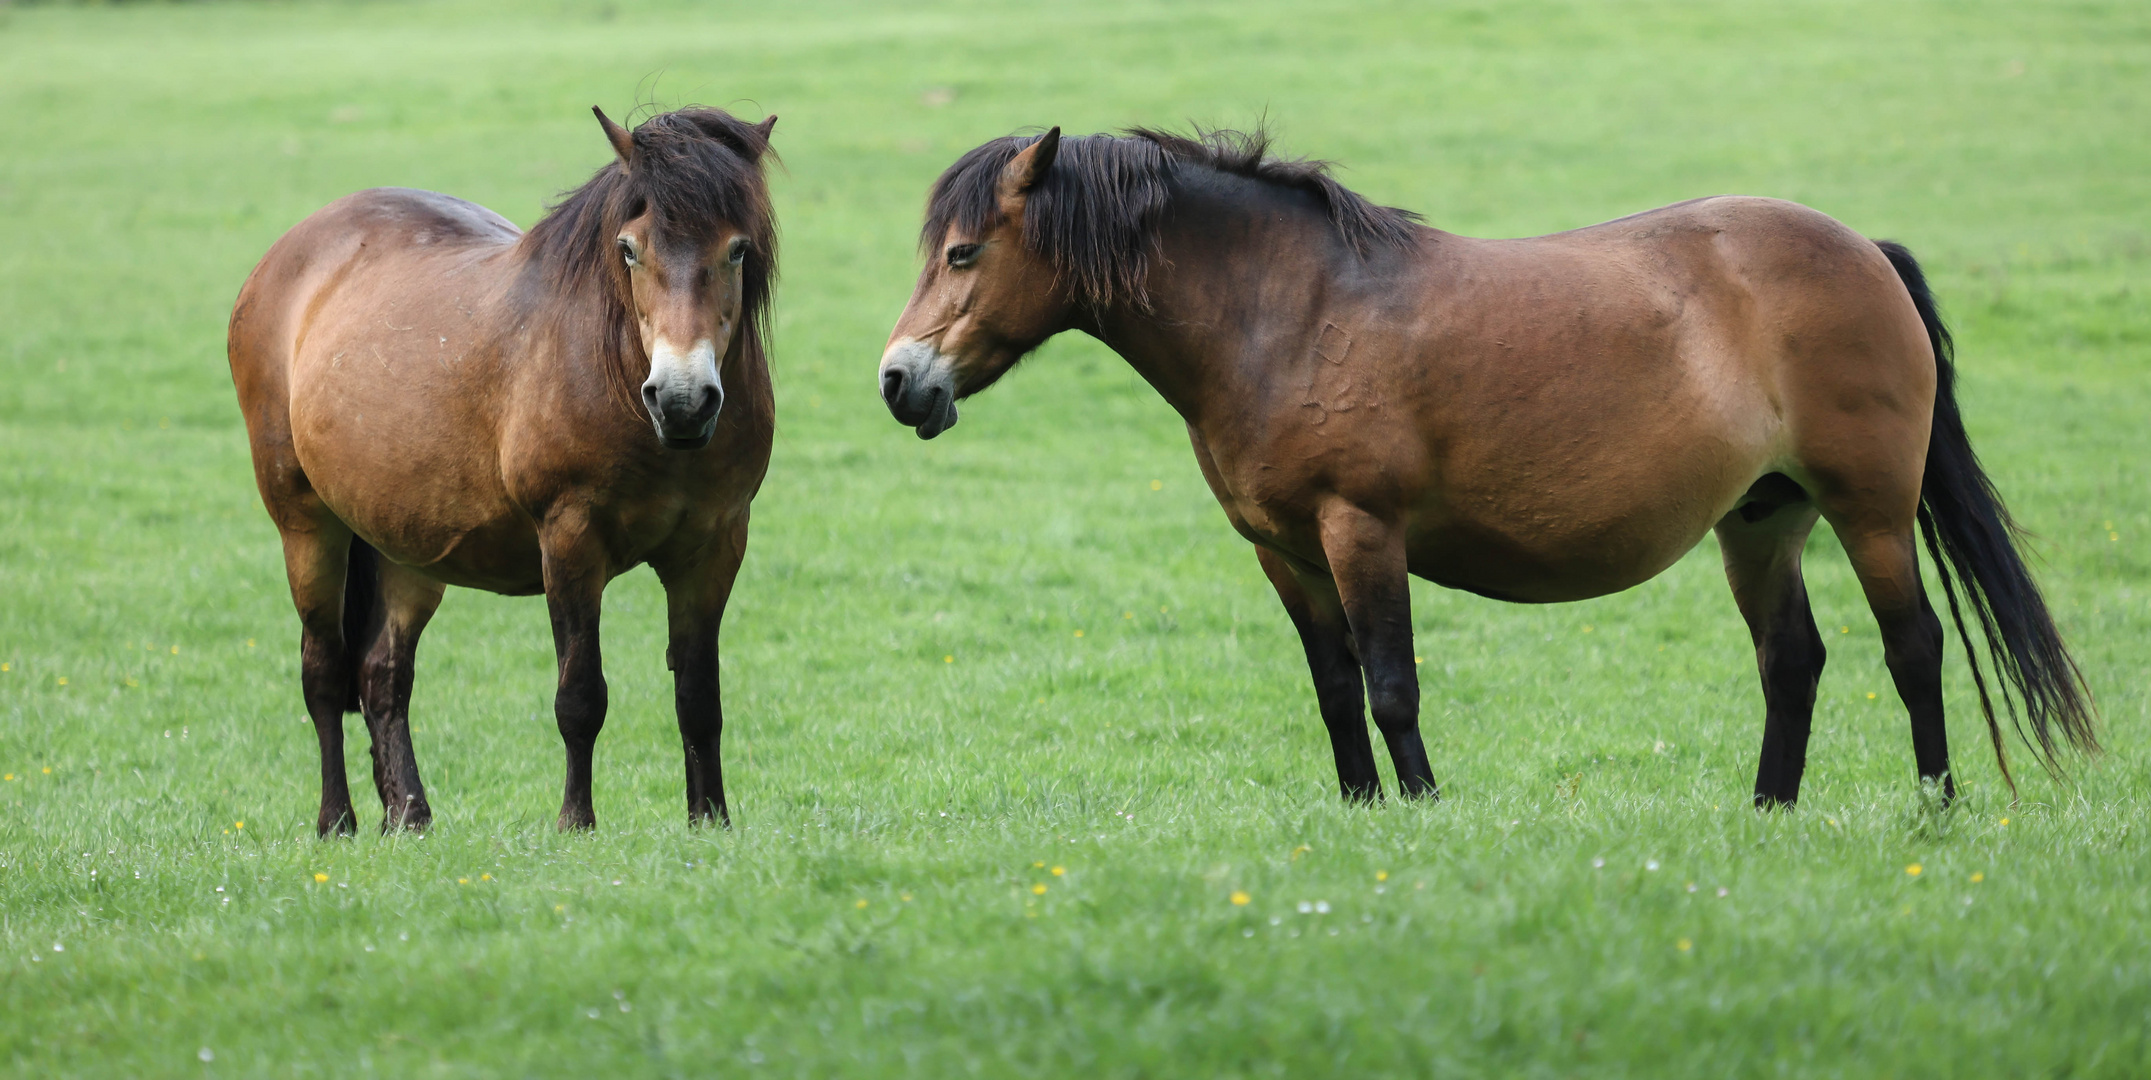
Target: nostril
712,400
649,398
892,385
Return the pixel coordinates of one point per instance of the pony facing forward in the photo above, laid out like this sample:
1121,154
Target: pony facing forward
435,398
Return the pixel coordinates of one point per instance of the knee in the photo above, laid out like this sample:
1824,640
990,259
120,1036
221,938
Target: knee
1394,702
579,706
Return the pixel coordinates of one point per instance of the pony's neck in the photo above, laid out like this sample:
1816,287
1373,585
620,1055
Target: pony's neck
1240,272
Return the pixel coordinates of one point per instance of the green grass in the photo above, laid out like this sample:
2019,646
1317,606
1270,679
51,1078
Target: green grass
918,736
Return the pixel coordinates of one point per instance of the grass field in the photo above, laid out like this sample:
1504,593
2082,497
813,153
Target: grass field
1012,715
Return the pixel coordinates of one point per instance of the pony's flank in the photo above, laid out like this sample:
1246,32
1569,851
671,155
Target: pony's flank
1095,216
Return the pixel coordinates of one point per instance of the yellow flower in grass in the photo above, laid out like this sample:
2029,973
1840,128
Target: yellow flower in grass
1977,878
320,879
1913,870
1240,899
1059,870
1039,889
1381,875
861,903
1684,944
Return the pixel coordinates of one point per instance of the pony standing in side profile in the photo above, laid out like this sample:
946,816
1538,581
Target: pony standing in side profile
1533,420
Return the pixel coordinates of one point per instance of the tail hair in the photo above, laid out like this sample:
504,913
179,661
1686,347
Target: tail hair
1974,544
361,585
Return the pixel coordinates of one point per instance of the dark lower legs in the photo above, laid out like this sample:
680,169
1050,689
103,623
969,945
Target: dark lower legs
695,698
399,603
315,563
575,578
1762,562
1888,567
1319,617
326,682
695,594
1355,625
406,603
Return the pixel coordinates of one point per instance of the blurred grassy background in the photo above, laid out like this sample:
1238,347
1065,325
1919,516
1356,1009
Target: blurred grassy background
913,721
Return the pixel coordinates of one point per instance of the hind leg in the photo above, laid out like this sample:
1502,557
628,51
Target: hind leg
315,561
1762,563
1887,563
406,602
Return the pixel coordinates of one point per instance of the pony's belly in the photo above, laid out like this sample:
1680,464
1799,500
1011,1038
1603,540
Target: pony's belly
1578,561
440,533
501,558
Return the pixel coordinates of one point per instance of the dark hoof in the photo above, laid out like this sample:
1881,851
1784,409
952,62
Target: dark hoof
577,821
704,810
1940,791
336,823
416,817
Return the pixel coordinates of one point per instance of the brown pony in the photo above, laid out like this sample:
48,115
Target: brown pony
435,398
1532,420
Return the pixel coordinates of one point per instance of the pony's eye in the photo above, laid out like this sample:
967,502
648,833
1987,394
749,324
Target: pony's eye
738,253
962,255
627,249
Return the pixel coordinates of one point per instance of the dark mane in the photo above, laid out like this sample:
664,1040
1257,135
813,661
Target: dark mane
695,167
1095,216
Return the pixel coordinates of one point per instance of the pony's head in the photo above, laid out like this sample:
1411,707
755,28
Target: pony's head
987,294
681,221
1027,236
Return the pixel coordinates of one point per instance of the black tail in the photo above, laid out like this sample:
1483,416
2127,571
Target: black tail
361,583
1973,542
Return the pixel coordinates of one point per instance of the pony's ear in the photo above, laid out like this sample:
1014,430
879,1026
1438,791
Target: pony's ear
623,144
1027,170
766,126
